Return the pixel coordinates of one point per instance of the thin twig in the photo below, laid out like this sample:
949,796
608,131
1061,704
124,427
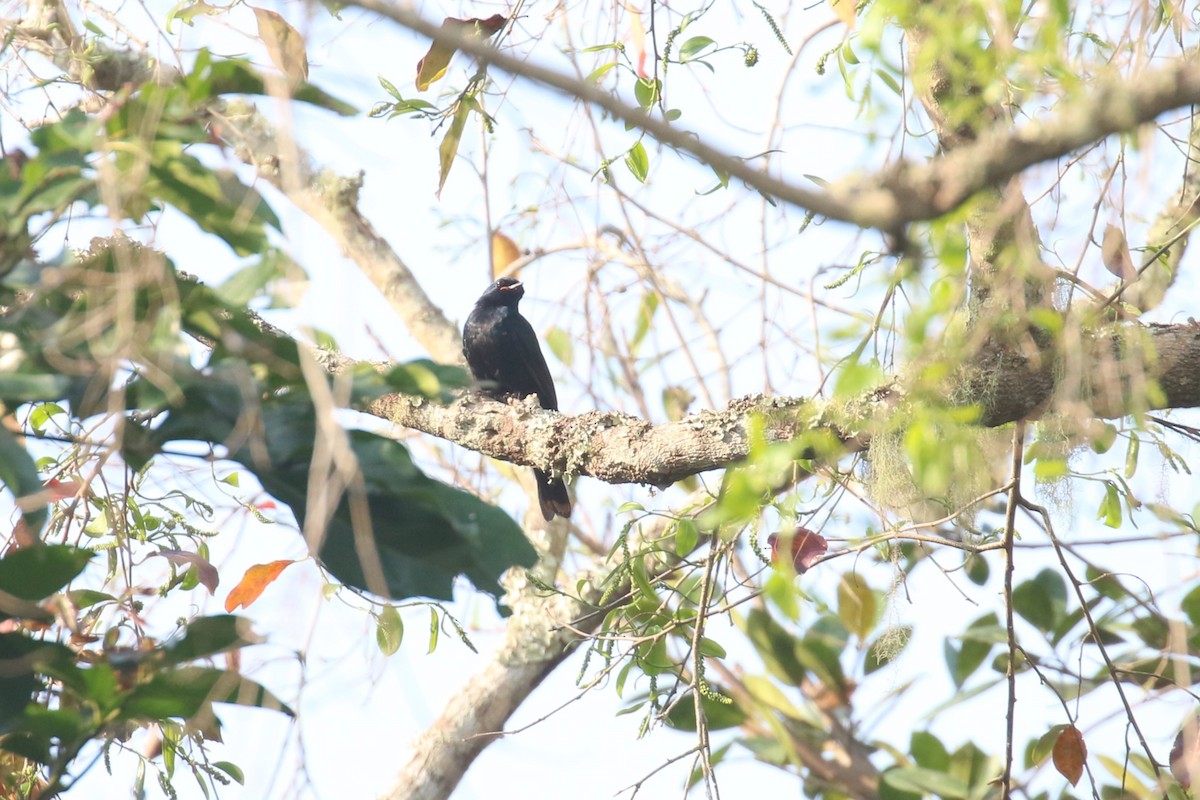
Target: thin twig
1010,672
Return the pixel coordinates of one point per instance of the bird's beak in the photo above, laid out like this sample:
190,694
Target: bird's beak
510,287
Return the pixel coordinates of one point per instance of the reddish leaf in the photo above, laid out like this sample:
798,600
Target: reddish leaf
21,537
206,573
61,490
1069,754
806,548
433,65
256,579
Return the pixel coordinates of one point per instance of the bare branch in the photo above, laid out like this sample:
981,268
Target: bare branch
907,191
332,201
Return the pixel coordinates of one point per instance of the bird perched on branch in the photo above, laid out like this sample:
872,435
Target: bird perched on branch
503,352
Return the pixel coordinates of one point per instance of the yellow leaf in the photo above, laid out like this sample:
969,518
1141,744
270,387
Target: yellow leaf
252,584
504,253
449,146
1114,252
433,65
1069,754
844,9
284,44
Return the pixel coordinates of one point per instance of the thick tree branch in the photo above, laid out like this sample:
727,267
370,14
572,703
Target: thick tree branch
905,192
1105,375
476,715
612,447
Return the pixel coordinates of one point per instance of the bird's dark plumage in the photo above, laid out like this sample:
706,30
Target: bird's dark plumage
503,353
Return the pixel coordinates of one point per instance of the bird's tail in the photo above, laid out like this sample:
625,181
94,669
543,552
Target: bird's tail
552,496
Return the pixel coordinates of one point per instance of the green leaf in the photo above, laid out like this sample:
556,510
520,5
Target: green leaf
424,532
1110,506
1103,437
647,91
645,317
250,281
186,12
208,636
599,72
1191,605
1131,455
856,605
686,537
921,781
42,413
693,47
449,146
18,474
768,694
418,378
223,76
232,770
889,80
86,598
855,378
1042,601
774,645
929,752
719,716
20,387
977,569
977,644
1044,746
185,692
638,162
389,87
560,344
434,629
822,661
18,681
389,630
35,573
218,202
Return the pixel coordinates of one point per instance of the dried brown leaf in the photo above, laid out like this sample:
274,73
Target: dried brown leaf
1069,754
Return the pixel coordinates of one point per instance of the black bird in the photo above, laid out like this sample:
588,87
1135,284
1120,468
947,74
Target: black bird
503,352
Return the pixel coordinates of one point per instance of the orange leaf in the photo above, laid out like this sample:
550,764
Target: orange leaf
844,10
437,59
638,35
1069,754
504,253
253,582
